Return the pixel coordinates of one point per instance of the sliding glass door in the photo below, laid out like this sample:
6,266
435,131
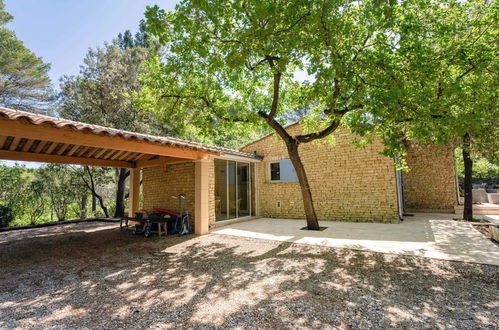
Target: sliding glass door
233,189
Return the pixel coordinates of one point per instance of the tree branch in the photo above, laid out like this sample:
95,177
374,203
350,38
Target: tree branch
276,126
319,135
330,129
277,81
252,67
292,25
364,46
465,73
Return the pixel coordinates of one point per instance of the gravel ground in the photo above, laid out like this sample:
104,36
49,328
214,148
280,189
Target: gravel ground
91,275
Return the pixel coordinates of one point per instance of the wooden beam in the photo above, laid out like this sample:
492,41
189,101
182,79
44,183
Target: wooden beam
124,155
146,162
117,154
28,145
57,148
85,152
14,143
46,158
3,138
138,156
161,161
67,135
79,151
73,150
51,148
21,144
62,149
100,153
93,152
178,161
130,156
110,154
39,147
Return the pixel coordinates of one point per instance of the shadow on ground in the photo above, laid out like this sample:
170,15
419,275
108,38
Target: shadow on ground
109,279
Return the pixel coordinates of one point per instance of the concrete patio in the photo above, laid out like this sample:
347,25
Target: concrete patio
427,235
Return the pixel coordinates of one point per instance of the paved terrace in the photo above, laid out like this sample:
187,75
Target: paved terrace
426,235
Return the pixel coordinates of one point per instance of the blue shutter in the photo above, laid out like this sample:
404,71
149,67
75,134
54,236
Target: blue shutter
288,173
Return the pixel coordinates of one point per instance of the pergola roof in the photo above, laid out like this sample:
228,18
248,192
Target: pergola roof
33,137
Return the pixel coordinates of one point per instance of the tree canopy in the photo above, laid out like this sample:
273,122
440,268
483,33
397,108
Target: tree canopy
24,80
229,64
445,82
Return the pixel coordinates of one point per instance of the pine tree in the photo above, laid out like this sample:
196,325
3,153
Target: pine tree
24,80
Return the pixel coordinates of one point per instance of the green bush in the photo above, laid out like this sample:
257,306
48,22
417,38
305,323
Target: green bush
482,168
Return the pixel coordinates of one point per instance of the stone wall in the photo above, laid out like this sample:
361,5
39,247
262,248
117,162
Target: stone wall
348,183
159,185
430,185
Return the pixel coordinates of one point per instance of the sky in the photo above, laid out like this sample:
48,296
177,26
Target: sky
61,31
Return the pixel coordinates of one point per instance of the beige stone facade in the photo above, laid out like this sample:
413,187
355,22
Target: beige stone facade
348,183
211,188
430,185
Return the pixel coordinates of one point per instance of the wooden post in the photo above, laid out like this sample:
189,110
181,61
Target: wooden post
201,207
133,198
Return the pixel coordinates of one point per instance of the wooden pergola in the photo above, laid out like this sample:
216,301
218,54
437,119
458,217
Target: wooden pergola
27,136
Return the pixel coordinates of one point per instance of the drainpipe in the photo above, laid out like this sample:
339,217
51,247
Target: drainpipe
400,190
457,178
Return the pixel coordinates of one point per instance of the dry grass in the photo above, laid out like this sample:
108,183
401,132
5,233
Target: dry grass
92,275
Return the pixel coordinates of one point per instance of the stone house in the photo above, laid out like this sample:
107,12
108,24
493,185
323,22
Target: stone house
348,183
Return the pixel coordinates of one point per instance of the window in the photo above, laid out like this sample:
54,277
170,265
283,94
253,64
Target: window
282,171
275,172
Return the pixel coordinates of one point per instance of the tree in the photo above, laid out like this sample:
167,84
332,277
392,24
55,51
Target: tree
36,200
141,39
24,80
62,187
231,66
447,90
92,178
101,95
12,181
22,195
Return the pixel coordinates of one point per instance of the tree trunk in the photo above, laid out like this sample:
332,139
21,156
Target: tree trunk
102,206
468,175
120,193
308,204
91,186
83,209
94,205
